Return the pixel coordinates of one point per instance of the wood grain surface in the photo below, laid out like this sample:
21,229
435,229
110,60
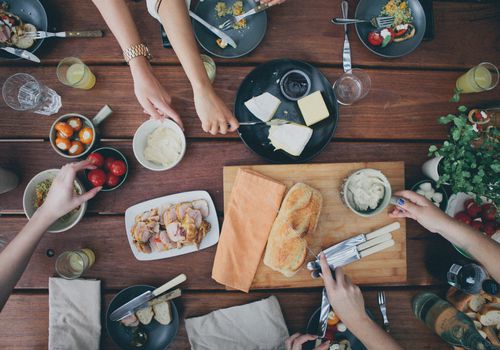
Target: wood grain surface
400,105
201,168
28,315
395,122
336,222
465,34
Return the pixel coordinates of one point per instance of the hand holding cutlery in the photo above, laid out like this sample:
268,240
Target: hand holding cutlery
230,22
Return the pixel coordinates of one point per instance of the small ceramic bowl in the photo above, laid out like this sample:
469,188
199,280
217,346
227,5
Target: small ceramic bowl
110,152
348,199
444,204
141,139
62,224
86,122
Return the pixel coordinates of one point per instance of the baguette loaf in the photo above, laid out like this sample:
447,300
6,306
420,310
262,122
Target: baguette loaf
286,247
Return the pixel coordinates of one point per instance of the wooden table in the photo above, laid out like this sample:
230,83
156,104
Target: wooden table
395,122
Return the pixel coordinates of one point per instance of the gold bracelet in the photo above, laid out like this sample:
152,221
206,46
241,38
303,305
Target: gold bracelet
136,51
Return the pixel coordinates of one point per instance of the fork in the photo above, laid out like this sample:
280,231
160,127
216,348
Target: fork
379,22
81,34
230,22
383,310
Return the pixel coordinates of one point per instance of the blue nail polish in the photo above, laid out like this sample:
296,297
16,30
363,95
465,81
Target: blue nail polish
400,201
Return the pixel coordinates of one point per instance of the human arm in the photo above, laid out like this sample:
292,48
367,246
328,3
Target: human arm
60,201
348,304
212,111
295,342
485,250
149,92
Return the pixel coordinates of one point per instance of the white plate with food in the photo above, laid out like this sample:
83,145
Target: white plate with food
172,225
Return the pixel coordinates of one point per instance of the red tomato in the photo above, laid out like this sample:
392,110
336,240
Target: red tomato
375,38
488,212
112,180
118,168
463,217
473,209
97,159
490,227
108,162
97,177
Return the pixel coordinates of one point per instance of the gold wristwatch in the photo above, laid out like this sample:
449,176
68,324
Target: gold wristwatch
136,51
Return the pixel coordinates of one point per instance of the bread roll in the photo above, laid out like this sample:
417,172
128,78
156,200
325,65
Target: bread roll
298,217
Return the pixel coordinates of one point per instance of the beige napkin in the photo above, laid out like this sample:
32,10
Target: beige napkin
254,203
255,326
74,314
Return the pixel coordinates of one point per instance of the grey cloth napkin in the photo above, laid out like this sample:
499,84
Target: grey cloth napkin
255,326
74,314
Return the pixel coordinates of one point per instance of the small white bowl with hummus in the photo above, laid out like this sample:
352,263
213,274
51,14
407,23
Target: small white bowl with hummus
159,144
367,192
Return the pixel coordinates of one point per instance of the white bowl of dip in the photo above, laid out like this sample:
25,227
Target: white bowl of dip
159,144
367,192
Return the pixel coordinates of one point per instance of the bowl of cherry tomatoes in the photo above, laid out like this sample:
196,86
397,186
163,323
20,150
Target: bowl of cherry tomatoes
111,169
74,135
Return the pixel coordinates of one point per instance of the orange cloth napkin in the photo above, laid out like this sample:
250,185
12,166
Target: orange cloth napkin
254,203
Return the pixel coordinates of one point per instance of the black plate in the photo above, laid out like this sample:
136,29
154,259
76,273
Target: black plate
266,78
371,8
30,11
312,328
159,336
247,39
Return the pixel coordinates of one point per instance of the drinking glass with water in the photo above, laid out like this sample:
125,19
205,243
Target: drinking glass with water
23,92
352,86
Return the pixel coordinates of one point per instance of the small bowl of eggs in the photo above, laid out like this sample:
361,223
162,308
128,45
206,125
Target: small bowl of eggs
74,135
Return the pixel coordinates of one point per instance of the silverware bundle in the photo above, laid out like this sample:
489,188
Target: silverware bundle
355,248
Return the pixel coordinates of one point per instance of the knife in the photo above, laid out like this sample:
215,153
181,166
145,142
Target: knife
129,308
353,248
21,53
226,38
346,52
323,315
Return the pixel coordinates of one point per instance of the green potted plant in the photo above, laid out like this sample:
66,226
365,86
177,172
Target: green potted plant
468,161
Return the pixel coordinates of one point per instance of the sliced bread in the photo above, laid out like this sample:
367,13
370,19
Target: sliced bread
162,312
490,315
145,315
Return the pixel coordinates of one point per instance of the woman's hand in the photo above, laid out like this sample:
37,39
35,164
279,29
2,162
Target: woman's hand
419,208
150,93
61,198
272,2
214,115
295,342
344,296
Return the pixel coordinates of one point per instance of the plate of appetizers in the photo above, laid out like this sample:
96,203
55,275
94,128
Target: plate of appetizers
173,225
18,17
336,332
399,39
294,107
247,33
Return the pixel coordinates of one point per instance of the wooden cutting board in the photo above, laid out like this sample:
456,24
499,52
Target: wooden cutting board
336,222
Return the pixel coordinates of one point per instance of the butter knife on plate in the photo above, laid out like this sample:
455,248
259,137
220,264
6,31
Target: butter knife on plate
129,308
21,53
346,52
225,38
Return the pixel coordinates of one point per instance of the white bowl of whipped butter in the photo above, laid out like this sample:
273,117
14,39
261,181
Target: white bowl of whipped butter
159,144
367,192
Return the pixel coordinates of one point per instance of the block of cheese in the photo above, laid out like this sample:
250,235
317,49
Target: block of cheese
263,106
291,138
313,108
